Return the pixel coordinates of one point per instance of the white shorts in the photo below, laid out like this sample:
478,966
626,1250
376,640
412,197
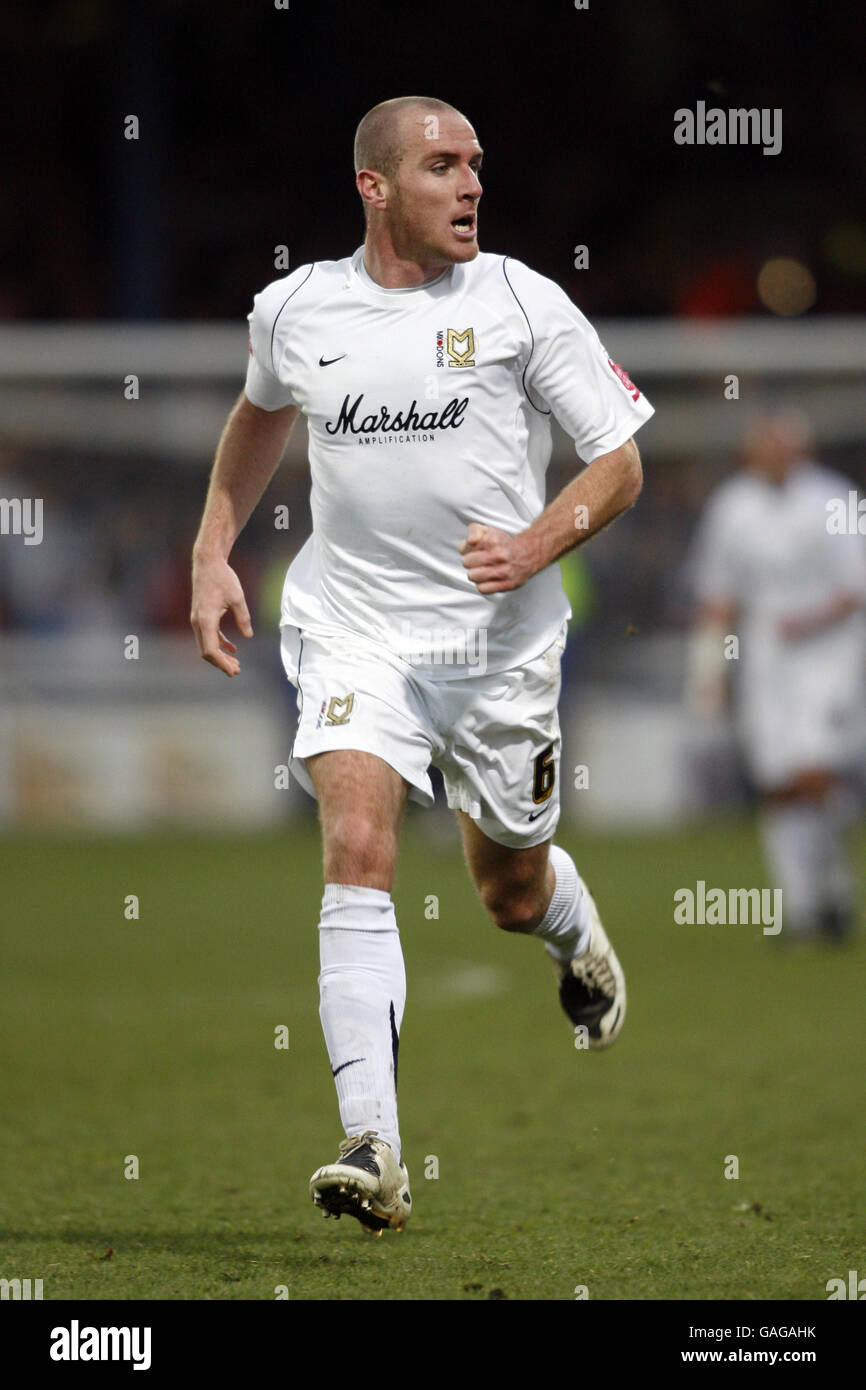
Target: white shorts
805,712
494,738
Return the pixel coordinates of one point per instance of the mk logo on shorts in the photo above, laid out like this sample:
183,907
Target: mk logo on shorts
456,358
339,710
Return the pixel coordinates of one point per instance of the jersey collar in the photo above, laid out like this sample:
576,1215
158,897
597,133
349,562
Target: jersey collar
362,283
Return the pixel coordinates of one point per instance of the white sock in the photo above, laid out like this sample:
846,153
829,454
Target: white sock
838,813
362,993
565,927
792,836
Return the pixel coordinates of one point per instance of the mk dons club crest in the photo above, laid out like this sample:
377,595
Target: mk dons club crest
339,710
460,347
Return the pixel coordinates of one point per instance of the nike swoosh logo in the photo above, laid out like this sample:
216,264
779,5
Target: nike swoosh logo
343,1066
536,814
326,361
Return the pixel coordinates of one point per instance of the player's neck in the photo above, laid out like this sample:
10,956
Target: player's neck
394,272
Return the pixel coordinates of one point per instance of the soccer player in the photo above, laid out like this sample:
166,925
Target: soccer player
423,621
772,567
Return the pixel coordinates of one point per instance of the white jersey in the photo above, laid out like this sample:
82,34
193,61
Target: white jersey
769,551
429,408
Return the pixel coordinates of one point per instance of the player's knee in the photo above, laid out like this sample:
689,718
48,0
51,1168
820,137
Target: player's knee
512,910
358,847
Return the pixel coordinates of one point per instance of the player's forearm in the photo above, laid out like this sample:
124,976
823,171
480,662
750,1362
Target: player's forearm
716,615
707,665
840,607
247,457
591,501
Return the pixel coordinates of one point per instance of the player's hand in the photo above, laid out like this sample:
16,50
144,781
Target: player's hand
216,590
495,561
797,629
710,700
794,629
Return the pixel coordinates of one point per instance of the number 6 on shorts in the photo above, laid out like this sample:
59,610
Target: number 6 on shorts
545,775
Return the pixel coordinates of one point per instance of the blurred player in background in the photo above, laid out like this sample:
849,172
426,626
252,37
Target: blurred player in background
772,569
424,619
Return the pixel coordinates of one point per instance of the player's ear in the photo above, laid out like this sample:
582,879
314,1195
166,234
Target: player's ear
373,188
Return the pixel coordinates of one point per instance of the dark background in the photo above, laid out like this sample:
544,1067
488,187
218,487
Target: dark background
247,117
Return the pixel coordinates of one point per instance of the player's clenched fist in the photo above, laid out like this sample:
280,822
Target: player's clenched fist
495,561
216,590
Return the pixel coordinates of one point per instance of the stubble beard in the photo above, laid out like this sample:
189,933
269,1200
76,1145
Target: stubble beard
415,244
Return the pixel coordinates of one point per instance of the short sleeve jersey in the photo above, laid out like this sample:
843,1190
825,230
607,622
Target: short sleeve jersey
427,409
773,551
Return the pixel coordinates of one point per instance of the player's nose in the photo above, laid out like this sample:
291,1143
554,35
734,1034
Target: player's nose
471,185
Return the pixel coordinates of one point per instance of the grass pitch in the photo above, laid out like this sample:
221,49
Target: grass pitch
154,1039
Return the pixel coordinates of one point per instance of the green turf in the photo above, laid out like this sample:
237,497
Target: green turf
557,1168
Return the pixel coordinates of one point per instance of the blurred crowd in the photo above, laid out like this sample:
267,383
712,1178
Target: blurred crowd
115,554
245,124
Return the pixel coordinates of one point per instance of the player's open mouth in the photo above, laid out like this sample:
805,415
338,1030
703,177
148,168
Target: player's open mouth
465,226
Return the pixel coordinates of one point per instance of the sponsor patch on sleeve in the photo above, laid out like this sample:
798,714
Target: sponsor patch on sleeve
624,377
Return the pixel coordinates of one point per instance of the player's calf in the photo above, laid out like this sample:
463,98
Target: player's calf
513,885
514,913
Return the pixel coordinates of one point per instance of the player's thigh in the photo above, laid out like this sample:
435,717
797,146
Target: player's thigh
500,765
514,885
361,800
808,784
802,722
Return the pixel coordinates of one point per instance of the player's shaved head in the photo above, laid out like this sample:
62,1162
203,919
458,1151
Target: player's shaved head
785,428
382,136
417,161
775,441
